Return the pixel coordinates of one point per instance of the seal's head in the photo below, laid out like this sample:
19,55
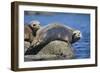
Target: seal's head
35,25
76,36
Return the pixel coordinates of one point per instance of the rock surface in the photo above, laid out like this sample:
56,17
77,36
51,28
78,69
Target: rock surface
55,50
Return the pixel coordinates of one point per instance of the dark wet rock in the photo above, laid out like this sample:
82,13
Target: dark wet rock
26,45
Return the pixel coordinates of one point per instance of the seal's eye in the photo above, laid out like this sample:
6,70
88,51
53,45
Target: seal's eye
34,24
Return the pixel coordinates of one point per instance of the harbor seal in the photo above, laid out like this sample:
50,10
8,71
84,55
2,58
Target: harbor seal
30,30
56,31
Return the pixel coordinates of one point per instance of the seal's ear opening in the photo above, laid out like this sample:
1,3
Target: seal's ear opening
76,36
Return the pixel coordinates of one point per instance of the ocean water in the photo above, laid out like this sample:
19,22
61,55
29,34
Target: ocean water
78,21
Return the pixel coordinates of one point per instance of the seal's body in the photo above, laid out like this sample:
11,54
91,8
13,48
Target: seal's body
56,31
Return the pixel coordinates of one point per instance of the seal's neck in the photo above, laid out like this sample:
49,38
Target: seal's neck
33,30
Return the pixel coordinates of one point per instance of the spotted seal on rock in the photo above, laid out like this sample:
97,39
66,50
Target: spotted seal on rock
56,31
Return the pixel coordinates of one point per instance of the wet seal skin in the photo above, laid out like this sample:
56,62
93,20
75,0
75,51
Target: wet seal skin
56,31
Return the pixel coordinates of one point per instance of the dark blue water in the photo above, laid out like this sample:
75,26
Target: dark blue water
74,20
